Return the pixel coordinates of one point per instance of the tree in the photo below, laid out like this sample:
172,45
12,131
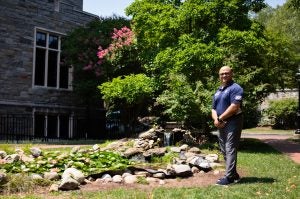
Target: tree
128,94
80,52
192,39
282,30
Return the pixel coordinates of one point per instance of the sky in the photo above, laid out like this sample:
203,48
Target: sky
107,8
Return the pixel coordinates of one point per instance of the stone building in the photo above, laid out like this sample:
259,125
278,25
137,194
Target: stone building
36,96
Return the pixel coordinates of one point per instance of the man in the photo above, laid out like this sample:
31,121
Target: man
228,118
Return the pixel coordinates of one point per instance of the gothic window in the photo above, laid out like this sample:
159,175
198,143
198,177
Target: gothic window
48,72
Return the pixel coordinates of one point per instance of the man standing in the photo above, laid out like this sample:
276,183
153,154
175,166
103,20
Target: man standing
228,118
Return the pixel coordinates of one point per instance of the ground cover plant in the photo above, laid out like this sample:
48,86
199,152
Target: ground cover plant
266,174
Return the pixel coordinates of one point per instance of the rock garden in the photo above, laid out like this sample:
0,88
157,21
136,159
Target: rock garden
127,162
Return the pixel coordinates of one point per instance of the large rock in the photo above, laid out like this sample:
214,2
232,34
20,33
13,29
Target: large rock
132,151
74,174
106,178
12,158
35,176
25,158
51,175
155,152
68,183
75,149
130,179
150,134
200,162
54,188
96,147
182,170
194,150
117,179
2,154
184,147
175,149
212,157
35,152
3,178
160,175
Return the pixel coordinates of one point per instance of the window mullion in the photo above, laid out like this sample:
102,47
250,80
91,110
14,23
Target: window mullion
58,65
46,60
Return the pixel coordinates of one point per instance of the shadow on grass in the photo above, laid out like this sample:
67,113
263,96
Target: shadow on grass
250,180
252,145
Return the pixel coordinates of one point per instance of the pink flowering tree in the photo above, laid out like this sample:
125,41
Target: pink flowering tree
121,54
80,49
118,58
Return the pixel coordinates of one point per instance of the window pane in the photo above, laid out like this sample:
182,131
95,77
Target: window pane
64,126
52,126
39,67
52,68
64,77
53,42
41,39
39,125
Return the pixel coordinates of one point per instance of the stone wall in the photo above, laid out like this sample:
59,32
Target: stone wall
279,95
18,19
264,120
54,111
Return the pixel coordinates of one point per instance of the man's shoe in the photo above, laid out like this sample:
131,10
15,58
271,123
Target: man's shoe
220,179
236,178
224,181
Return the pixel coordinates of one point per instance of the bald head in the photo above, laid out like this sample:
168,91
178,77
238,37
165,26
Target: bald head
225,74
225,68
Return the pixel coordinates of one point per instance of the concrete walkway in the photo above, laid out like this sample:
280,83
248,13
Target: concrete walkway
280,143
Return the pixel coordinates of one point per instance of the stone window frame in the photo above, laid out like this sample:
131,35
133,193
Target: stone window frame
59,51
56,5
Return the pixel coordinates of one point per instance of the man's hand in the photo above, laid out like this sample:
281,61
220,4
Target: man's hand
219,124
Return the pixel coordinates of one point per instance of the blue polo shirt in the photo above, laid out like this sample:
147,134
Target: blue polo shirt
224,96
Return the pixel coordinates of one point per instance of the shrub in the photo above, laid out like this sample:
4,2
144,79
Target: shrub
283,113
179,100
128,91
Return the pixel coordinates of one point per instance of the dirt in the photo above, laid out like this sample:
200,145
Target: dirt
197,180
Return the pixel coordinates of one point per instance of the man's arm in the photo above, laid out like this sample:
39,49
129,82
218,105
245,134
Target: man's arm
230,111
217,122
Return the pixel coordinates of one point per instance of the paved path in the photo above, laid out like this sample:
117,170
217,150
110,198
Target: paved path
280,143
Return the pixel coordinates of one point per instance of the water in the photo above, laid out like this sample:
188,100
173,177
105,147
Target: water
167,138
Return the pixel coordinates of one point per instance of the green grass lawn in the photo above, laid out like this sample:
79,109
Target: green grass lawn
268,130
265,174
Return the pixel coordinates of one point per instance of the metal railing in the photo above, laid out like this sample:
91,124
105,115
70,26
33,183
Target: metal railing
21,127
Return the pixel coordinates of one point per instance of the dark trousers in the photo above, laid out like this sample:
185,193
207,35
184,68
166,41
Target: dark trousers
229,138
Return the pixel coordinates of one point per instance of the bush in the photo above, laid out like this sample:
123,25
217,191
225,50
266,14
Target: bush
129,91
283,113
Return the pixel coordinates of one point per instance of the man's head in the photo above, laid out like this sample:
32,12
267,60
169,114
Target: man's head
225,75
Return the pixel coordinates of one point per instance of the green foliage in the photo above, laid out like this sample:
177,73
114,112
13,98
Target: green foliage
193,39
80,51
89,163
126,92
18,183
181,45
22,183
283,112
179,99
282,31
165,160
142,180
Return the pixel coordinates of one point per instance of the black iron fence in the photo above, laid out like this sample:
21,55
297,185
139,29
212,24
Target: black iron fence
26,127
16,127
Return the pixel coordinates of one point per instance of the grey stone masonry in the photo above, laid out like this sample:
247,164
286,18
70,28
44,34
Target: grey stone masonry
18,21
